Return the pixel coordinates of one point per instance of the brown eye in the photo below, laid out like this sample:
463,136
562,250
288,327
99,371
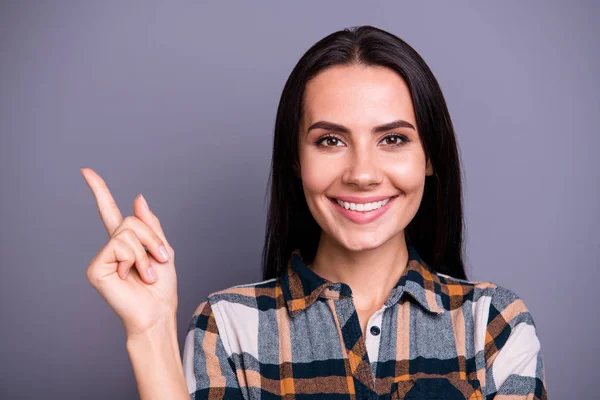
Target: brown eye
332,141
395,140
329,141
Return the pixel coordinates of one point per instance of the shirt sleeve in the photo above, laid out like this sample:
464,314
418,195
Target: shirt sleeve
514,364
209,372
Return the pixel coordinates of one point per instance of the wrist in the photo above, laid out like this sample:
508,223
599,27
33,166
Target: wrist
157,344
156,362
164,328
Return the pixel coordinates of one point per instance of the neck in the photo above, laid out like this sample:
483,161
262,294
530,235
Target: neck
371,274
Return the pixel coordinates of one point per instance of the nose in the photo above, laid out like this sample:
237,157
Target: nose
362,169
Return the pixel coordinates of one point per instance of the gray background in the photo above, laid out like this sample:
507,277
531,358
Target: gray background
177,101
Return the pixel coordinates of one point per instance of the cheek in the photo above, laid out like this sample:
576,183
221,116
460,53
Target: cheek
317,174
408,175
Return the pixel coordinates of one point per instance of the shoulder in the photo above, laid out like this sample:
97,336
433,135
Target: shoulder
498,313
246,293
495,310
239,303
505,335
494,297
234,314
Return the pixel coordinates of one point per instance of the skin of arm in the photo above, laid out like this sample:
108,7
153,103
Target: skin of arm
157,363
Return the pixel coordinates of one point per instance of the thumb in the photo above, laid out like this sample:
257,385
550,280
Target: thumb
142,211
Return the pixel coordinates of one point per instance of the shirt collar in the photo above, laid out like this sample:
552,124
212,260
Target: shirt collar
301,286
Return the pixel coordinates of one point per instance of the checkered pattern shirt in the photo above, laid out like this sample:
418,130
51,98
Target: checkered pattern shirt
298,337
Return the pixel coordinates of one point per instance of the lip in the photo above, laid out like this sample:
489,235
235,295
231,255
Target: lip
361,217
361,200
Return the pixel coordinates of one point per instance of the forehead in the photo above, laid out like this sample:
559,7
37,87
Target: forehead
357,96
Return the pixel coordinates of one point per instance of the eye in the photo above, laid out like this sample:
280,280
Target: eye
329,141
395,139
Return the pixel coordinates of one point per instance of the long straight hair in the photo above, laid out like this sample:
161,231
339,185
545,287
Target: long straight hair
436,231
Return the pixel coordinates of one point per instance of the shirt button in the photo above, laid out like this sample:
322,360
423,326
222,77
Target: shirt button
375,330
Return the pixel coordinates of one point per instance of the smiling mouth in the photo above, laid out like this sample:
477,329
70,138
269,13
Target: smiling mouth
362,207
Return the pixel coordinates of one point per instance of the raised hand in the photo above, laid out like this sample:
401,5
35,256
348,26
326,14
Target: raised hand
143,296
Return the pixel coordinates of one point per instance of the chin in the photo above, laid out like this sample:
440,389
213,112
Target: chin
363,243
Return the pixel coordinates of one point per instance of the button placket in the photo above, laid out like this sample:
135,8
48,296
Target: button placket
373,342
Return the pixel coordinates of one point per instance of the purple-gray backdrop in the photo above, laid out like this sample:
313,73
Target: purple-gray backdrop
177,101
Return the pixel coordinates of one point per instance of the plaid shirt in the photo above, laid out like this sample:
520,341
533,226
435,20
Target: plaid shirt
298,336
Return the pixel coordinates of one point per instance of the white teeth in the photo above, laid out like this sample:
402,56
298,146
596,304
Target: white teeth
363,206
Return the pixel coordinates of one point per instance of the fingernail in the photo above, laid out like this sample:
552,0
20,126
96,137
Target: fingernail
163,252
144,201
126,273
151,274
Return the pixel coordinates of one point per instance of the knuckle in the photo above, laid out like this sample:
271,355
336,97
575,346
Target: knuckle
124,246
88,273
112,204
118,238
123,231
129,255
129,234
130,220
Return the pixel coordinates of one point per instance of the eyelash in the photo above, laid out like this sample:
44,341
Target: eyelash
403,139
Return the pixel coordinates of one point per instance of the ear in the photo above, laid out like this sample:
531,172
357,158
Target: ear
429,168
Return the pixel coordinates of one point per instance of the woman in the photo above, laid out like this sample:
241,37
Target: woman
364,292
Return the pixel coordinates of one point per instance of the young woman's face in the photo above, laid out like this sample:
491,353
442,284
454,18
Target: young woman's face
348,154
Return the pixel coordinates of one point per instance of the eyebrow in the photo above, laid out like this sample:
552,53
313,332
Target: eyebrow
380,128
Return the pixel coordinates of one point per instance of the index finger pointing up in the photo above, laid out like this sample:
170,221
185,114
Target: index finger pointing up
109,212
